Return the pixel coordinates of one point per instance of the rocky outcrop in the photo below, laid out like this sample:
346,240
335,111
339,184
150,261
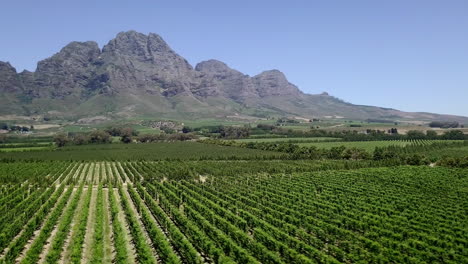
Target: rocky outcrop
9,80
222,80
135,61
274,83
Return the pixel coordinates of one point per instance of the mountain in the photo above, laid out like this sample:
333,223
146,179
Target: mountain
138,75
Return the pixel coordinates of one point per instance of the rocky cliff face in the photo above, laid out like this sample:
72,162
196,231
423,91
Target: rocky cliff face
140,74
225,81
274,83
69,72
133,62
9,79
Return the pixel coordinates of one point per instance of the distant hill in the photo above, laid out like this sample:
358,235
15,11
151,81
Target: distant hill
138,75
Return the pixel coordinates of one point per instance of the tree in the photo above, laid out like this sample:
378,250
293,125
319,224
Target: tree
61,139
80,139
126,139
443,124
99,136
454,135
181,137
127,134
186,129
234,132
378,153
431,134
417,159
4,126
336,152
167,130
415,134
355,154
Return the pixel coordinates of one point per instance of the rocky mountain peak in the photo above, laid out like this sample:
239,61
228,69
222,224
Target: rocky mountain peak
274,83
6,69
9,81
129,43
213,67
73,56
149,49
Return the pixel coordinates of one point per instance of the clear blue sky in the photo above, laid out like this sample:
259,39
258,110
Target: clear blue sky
406,54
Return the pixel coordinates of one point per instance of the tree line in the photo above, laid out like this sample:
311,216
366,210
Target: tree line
369,135
410,155
126,134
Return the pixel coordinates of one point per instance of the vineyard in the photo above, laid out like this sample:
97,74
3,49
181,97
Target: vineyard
371,145
148,151
231,212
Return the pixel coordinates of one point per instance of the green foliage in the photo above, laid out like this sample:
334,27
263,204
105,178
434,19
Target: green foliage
153,151
232,132
454,135
79,230
187,129
61,140
443,124
53,255
246,211
456,162
121,254
98,236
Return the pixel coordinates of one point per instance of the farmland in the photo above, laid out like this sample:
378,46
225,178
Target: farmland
281,139
370,146
153,151
224,201
224,212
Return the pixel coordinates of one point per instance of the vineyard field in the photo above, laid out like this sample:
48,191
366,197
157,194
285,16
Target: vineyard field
282,139
371,145
231,212
147,151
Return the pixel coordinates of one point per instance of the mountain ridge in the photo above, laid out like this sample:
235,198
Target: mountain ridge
141,75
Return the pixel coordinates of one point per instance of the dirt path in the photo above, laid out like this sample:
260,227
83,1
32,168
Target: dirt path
90,175
108,243
103,172
38,231
98,174
88,241
48,243
82,175
121,217
65,258
110,176
140,223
